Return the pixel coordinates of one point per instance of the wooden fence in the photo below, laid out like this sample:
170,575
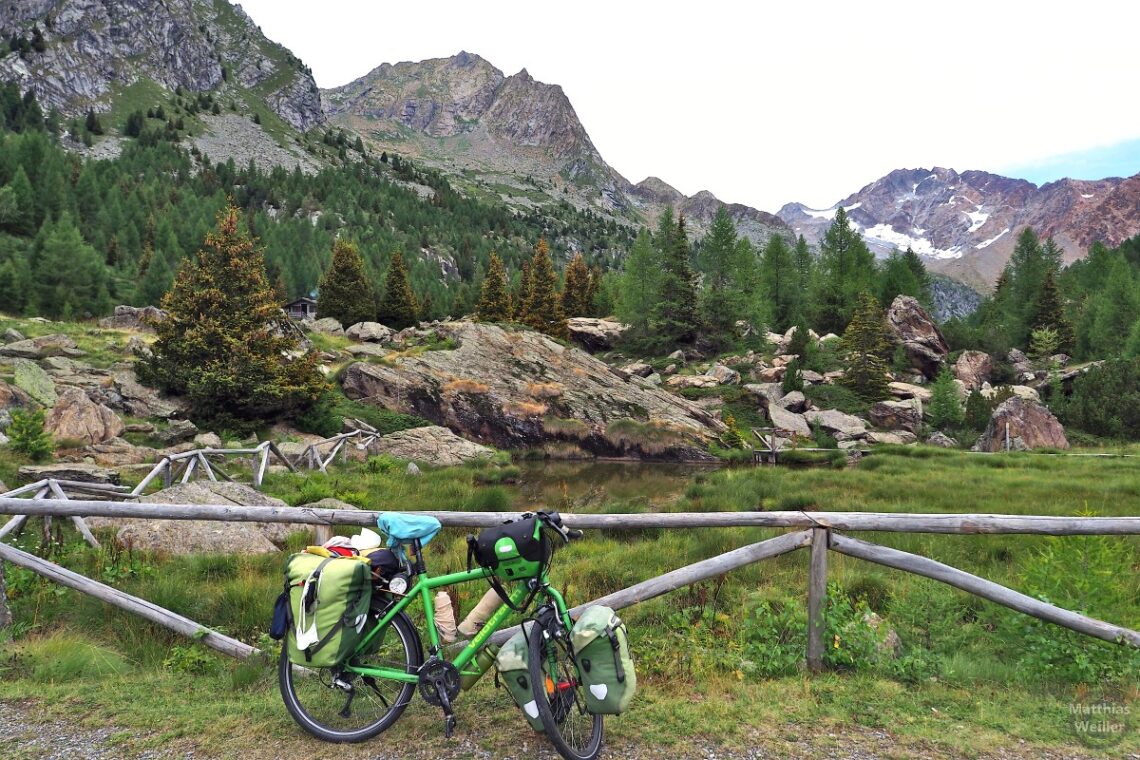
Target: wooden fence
818,531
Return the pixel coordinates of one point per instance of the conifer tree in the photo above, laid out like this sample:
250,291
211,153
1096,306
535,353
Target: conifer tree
544,308
1050,312
945,408
866,346
637,288
729,266
847,269
70,276
495,298
398,306
594,291
673,317
780,283
224,345
345,292
576,288
525,293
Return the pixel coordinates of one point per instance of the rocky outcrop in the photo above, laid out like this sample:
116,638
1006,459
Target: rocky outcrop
1029,424
116,452
897,415
76,417
788,420
84,473
837,423
93,49
973,368
38,348
134,318
369,332
326,325
941,440
595,334
522,390
432,445
203,536
35,382
919,336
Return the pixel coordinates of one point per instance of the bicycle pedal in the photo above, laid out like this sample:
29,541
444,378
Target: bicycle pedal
448,726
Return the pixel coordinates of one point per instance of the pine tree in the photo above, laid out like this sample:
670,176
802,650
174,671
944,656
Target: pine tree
525,293
155,282
398,307
780,283
224,345
70,276
495,298
866,346
594,291
847,269
1050,312
576,288
345,293
729,289
544,308
92,124
945,408
673,318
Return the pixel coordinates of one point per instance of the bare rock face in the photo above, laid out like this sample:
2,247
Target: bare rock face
1030,426
203,536
433,445
595,334
919,336
897,415
134,318
522,390
77,417
973,368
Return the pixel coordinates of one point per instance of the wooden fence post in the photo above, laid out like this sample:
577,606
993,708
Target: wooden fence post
817,597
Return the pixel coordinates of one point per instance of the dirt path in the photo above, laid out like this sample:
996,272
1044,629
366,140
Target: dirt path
27,732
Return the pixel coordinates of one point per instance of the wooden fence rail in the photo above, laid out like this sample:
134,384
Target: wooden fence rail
815,529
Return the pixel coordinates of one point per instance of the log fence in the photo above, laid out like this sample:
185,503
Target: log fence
818,531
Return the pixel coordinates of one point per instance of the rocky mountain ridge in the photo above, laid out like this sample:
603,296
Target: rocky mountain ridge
86,53
966,224
513,136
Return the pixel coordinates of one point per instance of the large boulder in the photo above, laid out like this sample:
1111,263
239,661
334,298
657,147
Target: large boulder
523,390
764,393
906,390
116,452
916,331
595,334
724,375
37,348
176,432
203,536
369,332
134,318
12,397
679,382
31,378
433,445
76,417
1029,424
834,421
79,472
328,326
897,415
973,368
788,420
126,394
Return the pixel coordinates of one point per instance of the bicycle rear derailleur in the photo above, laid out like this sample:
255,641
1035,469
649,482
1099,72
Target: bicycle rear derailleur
439,686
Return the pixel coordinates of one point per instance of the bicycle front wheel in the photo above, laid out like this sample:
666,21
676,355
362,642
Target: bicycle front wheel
557,687
338,706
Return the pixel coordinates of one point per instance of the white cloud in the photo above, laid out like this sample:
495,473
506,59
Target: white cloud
765,103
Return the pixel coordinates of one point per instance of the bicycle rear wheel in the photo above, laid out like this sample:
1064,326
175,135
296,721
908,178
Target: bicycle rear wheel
338,706
574,732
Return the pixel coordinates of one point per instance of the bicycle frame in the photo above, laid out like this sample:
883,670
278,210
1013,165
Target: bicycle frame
422,591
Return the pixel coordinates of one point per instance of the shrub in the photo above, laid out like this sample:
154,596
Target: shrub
793,378
28,436
321,418
945,409
1105,400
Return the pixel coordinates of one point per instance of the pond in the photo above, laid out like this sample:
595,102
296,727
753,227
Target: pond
588,485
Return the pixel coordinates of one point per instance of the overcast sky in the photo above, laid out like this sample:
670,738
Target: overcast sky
765,103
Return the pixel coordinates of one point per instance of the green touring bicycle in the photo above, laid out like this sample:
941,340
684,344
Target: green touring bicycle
369,690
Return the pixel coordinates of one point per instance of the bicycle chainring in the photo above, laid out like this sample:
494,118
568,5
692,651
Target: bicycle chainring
436,677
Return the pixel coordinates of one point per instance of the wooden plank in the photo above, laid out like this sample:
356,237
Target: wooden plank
205,465
284,459
116,598
80,525
5,613
15,525
27,489
259,468
688,575
817,598
191,464
900,523
995,592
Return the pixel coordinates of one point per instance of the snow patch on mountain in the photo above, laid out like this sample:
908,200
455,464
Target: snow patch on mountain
887,235
977,219
991,241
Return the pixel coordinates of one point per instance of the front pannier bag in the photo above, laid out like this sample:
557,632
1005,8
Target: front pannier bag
511,662
328,601
601,647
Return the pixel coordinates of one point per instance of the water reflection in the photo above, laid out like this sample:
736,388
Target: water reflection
586,486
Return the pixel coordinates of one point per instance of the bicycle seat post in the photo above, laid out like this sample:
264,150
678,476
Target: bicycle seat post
418,566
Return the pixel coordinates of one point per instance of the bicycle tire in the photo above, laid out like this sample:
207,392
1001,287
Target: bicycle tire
318,706
554,674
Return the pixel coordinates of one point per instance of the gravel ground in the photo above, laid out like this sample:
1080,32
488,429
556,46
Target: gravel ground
27,734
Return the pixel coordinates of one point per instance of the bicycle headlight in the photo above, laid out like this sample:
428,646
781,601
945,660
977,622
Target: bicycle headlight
398,584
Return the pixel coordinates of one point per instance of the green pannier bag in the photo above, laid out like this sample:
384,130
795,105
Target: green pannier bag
601,646
512,665
328,602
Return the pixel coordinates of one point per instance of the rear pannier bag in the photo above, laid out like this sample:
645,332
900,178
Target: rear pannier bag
328,601
514,550
601,647
512,664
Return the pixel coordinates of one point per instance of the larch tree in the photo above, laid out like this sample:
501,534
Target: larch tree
544,308
729,266
1049,312
398,306
637,288
224,344
673,317
780,287
346,294
525,293
576,291
495,297
847,269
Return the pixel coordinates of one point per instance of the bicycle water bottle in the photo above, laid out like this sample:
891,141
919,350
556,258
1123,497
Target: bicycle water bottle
481,662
